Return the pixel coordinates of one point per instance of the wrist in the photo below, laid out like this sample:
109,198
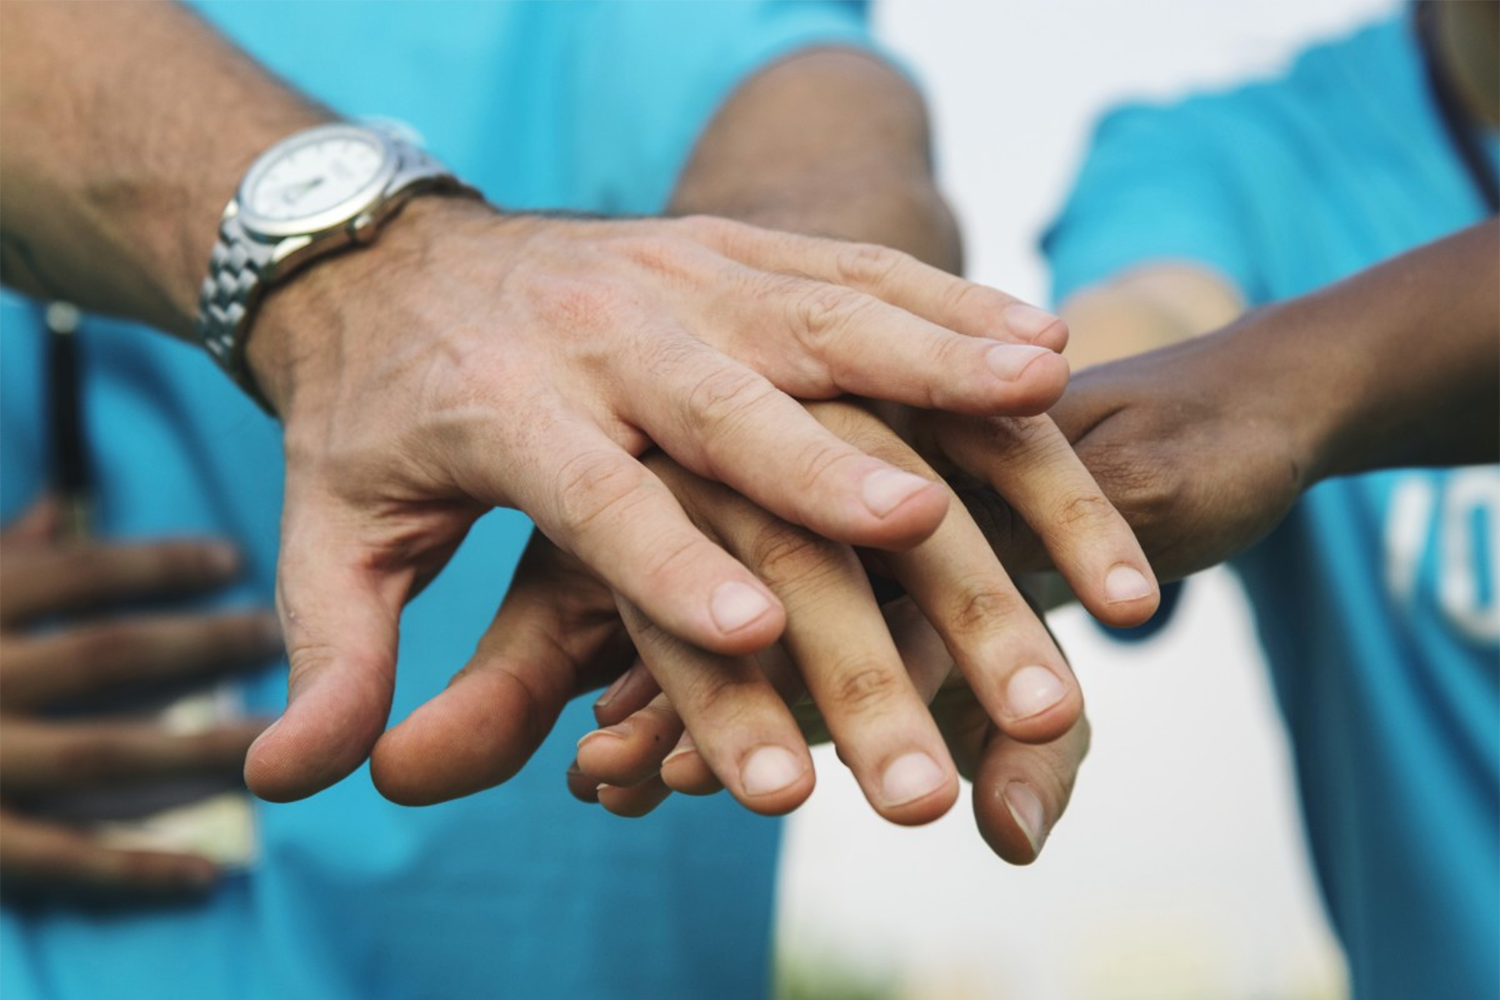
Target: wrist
1297,389
324,316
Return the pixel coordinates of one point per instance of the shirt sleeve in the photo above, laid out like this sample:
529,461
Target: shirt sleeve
1157,185
654,72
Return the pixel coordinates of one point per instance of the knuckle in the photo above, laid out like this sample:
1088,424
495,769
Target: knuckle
1082,509
670,561
863,688
726,700
1017,439
707,229
783,553
816,461
590,486
724,398
982,608
823,314
867,264
961,298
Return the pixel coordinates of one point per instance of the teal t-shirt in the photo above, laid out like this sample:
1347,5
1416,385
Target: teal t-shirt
521,891
1376,601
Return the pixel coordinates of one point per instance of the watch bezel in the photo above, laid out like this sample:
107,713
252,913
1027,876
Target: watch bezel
334,216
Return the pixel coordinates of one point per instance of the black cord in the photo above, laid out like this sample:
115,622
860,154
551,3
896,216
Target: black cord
71,475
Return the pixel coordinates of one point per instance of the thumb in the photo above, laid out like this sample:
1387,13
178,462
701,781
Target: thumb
340,605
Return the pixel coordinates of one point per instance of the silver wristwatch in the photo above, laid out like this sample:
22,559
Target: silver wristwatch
306,196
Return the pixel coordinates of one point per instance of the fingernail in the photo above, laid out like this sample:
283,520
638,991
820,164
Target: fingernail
1027,320
1126,583
610,692
735,605
910,777
886,489
1032,690
769,769
1009,360
620,732
1026,809
684,746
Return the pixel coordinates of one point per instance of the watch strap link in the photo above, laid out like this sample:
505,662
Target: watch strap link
228,296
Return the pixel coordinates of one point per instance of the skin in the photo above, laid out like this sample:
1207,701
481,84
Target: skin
559,631
61,649
414,398
1203,446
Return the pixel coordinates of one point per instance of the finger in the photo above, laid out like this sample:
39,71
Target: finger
48,756
687,772
581,786
605,508
48,861
1031,464
108,656
556,633
80,576
1001,646
631,751
635,801
1021,791
340,605
630,692
746,733
901,280
734,426
837,639
928,662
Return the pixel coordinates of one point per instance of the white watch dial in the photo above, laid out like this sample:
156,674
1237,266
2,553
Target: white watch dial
315,176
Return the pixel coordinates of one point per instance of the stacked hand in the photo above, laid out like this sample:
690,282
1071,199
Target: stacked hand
470,360
698,720
59,653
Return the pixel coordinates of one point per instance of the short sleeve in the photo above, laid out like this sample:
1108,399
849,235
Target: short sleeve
654,72
1157,184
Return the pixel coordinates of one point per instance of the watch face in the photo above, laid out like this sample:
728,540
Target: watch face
318,179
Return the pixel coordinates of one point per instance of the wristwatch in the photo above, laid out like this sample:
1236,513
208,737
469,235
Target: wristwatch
308,195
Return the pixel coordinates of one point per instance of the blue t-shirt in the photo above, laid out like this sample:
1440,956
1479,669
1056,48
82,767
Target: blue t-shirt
1376,600
516,892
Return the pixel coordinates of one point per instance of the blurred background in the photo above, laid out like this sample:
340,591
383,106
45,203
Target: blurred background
1179,871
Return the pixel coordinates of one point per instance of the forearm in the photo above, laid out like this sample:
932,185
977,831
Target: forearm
832,142
1401,364
1144,309
124,129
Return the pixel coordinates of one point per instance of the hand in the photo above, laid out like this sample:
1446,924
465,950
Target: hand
1203,446
547,635
88,658
1020,789
471,360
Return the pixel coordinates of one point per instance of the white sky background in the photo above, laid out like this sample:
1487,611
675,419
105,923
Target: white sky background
1179,870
